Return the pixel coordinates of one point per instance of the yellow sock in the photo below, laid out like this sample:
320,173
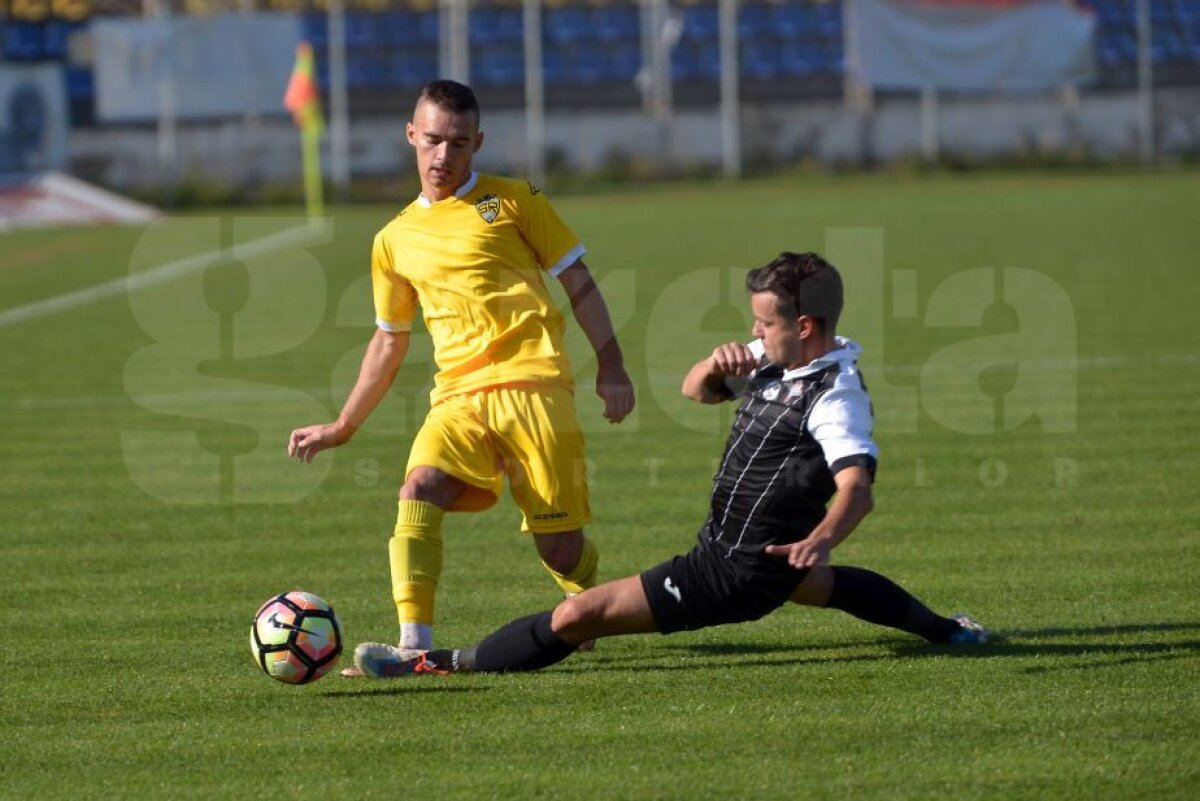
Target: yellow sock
583,575
416,556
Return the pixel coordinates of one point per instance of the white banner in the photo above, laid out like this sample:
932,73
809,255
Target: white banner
972,46
192,67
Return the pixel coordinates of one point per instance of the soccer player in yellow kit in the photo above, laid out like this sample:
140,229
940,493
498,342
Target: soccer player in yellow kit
474,251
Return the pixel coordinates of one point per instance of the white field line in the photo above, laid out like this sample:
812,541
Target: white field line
157,275
282,394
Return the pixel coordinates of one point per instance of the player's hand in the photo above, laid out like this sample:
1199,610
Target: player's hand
305,443
805,553
616,390
733,359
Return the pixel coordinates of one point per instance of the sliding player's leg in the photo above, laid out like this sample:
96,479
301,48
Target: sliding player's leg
528,643
877,599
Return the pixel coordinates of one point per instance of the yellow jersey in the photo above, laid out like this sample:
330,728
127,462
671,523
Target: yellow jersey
476,263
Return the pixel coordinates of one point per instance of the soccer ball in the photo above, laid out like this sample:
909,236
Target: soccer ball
296,637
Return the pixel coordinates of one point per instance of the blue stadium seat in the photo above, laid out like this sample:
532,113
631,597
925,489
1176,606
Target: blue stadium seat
322,69
794,21
23,41
700,23
799,62
361,30
314,29
754,22
80,83
616,23
54,39
760,60
510,25
567,25
685,61
828,60
483,25
399,28
500,65
625,61
828,20
427,27
411,70
590,64
494,25
555,65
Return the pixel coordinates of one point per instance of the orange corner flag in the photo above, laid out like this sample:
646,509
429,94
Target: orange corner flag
303,98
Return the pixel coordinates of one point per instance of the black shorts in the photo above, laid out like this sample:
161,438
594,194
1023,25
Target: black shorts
701,589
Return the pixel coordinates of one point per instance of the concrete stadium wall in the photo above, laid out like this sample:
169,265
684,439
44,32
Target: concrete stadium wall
267,151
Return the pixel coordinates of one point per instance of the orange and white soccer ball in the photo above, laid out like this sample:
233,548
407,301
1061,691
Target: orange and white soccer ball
296,637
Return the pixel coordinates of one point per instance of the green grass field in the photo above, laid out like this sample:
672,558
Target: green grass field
1033,356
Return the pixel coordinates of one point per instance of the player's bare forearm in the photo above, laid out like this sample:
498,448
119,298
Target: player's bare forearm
705,381
852,503
590,311
381,361
384,355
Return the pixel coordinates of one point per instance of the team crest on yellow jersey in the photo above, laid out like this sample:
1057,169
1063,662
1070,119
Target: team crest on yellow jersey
488,208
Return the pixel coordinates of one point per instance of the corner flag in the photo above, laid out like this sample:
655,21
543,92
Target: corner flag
303,99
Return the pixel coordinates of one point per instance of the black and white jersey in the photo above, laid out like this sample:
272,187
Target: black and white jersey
794,429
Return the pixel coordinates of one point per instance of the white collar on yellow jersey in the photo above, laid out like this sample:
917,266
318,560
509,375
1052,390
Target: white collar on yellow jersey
462,190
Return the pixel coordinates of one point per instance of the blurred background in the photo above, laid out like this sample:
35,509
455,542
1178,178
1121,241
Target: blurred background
180,101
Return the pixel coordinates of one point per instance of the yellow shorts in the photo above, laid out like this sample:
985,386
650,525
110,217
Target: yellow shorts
529,434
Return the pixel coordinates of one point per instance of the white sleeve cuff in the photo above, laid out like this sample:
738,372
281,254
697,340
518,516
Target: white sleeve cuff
392,328
572,255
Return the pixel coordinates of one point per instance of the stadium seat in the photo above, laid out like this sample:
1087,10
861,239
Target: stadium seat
700,23
23,41
555,65
510,25
760,60
590,64
399,28
793,21
685,61
360,30
500,65
428,27
798,62
754,22
314,29
615,23
625,61
483,25
80,83
54,39
828,18
567,25
413,69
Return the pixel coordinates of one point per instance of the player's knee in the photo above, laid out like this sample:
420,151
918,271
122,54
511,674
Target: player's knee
425,484
574,619
560,552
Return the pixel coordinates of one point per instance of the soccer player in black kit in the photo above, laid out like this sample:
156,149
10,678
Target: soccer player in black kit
801,437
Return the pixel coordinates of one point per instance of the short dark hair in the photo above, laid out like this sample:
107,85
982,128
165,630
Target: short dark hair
452,96
803,284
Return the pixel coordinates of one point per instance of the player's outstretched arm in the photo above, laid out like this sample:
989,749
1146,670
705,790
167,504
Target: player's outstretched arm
705,382
587,304
852,503
382,360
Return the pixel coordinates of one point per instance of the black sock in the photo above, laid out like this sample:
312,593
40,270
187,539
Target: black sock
524,644
879,600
